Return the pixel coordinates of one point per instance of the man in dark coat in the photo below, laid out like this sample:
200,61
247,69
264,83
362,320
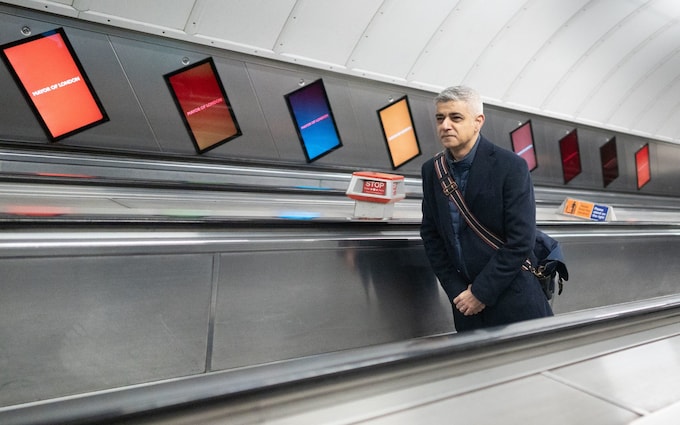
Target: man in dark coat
487,287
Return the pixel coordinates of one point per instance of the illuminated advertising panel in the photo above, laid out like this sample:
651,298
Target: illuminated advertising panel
400,134
610,162
571,156
642,167
203,104
523,144
54,82
314,121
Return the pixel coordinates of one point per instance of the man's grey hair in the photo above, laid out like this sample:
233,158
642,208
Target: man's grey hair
462,94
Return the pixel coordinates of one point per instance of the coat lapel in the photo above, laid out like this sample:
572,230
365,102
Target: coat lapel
481,170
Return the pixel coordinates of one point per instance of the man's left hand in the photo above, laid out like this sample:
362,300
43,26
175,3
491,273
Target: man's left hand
467,303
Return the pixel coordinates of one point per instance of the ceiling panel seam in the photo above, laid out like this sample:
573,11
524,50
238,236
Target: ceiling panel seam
511,87
599,42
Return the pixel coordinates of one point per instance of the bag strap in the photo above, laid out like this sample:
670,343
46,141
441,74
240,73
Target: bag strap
452,191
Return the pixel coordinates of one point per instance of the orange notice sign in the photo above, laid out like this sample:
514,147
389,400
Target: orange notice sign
585,210
54,83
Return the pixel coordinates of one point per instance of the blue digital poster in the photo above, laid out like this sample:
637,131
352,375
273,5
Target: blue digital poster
314,121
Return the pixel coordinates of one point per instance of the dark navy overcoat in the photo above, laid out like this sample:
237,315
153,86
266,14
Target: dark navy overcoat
500,194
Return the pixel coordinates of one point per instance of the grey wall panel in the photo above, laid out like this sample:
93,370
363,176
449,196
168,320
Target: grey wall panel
305,302
257,140
423,110
77,324
664,160
146,63
273,83
366,100
611,270
499,124
87,319
354,150
127,128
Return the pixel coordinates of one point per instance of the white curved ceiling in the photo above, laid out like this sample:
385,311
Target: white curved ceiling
613,64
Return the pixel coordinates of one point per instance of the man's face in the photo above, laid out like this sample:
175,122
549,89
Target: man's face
457,127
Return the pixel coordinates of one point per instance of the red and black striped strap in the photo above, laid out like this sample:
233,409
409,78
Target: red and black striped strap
452,191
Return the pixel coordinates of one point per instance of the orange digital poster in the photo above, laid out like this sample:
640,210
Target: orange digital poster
52,79
642,166
399,132
203,103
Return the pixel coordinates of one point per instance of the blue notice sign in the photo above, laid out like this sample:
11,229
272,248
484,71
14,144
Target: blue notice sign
599,213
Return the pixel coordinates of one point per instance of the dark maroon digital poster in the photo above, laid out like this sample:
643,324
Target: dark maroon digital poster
610,162
571,156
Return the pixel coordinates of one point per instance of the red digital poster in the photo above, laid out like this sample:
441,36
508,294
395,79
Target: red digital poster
642,166
399,132
50,76
523,144
203,104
